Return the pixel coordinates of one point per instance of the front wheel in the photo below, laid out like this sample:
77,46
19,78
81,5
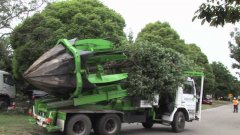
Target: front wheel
79,125
178,123
108,124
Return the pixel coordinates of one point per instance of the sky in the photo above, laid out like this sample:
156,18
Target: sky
178,13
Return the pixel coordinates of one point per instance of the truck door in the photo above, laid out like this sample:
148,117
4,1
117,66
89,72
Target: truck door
8,85
189,98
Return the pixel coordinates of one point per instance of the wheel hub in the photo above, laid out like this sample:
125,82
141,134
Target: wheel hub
110,126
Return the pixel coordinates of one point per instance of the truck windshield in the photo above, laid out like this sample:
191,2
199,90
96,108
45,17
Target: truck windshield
188,87
7,79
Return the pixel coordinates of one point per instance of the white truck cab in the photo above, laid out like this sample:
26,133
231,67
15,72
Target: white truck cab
187,106
7,89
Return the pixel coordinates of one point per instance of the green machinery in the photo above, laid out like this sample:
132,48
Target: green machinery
89,92
106,86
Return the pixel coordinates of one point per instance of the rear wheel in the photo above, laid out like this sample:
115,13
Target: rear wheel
79,125
178,123
108,124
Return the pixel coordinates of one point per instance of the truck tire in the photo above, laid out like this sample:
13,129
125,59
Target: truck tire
178,123
148,124
79,125
108,124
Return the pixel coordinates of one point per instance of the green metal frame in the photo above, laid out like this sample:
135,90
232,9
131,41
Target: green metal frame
93,98
77,62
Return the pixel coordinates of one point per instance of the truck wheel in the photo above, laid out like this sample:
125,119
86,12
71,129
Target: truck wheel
79,125
108,124
148,124
178,123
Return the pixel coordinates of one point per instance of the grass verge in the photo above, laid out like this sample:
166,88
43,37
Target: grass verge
216,103
17,124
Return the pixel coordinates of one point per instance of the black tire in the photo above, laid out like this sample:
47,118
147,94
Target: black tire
108,124
148,124
79,125
178,123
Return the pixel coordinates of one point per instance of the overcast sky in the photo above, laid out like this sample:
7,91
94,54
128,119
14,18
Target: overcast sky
178,13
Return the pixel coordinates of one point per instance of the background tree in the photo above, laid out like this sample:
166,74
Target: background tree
223,80
234,47
219,12
163,34
200,59
66,19
12,11
5,55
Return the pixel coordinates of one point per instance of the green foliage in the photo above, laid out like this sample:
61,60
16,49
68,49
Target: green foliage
5,55
219,12
13,10
235,48
163,34
200,59
209,81
223,80
66,19
154,70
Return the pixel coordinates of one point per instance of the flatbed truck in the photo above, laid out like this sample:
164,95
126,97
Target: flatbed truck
107,105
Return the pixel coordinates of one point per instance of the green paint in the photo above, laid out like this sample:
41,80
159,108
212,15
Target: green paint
95,45
100,78
62,115
193,73
100,97
77,62
51,128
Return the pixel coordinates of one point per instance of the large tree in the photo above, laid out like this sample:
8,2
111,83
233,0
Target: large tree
155,70
219,12
66,19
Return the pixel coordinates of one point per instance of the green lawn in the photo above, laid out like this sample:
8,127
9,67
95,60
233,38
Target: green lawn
14,124
215,103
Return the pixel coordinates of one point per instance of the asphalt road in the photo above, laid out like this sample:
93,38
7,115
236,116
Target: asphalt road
216,121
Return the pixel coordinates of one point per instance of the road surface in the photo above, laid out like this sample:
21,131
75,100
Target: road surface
216,121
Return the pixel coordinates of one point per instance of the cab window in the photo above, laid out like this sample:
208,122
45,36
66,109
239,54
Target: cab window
7,79
188,88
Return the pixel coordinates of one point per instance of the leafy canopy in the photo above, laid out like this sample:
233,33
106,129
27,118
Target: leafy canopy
155,70
5,55
163,34
219,12
12,11
223,80
167,37
234,47
66,19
